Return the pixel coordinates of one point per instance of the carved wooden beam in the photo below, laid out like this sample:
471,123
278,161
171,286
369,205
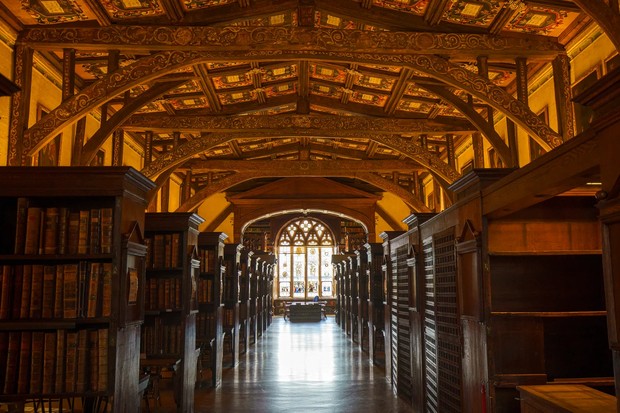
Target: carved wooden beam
19,105
159,64
94,143
282,41
305,167
231,180
563,96
207,88
481,124
398,91
291,123
170,160
435,10
100,14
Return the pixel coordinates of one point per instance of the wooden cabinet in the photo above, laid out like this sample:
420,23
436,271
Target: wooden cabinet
210,336
71,307
169,330
232,279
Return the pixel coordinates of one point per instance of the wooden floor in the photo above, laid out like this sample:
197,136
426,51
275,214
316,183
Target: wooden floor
301,367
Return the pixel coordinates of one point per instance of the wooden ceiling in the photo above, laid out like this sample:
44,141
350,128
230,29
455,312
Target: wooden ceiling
233,89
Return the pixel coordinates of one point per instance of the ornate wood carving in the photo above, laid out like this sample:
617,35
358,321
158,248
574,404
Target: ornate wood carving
148,148
522,92
20,104
78,142
476,139
305,167
237,40
118,142
474,117
94,143
156,65
234,179
450,150
170,160
290,123
68,73
563,96
186,188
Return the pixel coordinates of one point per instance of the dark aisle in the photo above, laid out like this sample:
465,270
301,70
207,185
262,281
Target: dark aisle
302,367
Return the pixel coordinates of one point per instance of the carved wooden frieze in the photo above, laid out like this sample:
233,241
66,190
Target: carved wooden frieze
305,167
234,179
199,38
159,64
164,123
407,147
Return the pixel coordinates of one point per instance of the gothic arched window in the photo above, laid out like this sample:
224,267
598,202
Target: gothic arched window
305,249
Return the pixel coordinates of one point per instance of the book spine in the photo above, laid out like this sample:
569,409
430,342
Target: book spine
50,235
23,377
71,361
83,241
93,290
82,361
95,231
106,301
74,232
33,229
12,362
36,292
93,360
82,289
175,253
70,291
21,224
24,311
49,282
5,295
63,230
4,350
107,226
18,278
102,380
167,251
36,365
58,291
49,363
59,376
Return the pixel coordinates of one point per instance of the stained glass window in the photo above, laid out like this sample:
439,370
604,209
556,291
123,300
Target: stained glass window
305,249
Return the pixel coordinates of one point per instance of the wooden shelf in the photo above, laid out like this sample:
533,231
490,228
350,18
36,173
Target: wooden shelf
558,314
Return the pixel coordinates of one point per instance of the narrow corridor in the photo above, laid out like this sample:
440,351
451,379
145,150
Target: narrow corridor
302,367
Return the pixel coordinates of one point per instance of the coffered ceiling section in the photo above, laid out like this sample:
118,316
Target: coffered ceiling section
307,73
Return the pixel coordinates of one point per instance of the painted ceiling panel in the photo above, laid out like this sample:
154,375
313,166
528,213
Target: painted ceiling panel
477,13
410,6
131,9
541,20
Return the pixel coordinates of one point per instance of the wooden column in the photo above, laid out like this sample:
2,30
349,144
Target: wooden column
476,140
522,94
68,90
450,150
118,142
563,96
20,105
186,189
148,158
164,201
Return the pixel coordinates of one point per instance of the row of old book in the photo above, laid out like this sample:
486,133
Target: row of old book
55,361
205,325
207,259
163,294
206,292
162,339
62,230
63,291
163,251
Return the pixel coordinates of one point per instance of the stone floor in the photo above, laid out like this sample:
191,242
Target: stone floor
299,367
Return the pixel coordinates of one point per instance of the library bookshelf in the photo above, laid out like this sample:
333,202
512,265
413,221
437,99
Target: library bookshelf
210,336
169,330
71,303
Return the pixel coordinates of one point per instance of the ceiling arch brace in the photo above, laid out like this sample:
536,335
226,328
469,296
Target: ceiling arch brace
606,17
222,184
160,168
475,118
154,66
94,143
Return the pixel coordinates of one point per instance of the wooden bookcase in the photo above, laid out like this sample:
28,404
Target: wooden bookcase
232,278
374,253
210,336
244,299
71,307
169,330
